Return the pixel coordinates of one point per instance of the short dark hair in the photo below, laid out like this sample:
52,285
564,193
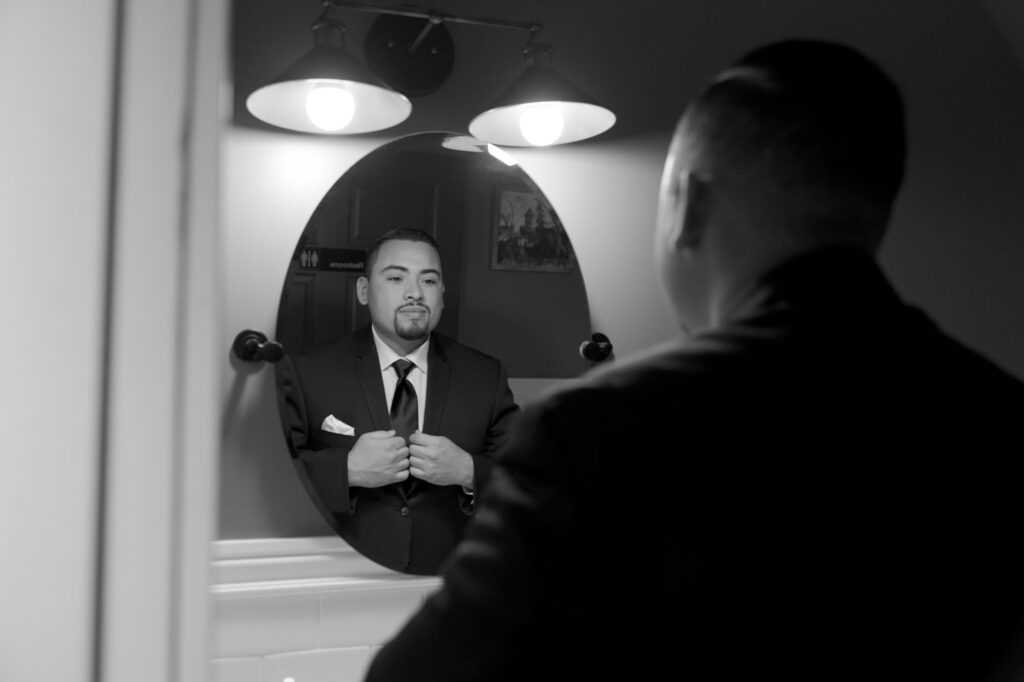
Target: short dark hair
405,234
806,115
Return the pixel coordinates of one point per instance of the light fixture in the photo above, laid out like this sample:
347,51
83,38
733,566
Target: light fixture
328,91
540,108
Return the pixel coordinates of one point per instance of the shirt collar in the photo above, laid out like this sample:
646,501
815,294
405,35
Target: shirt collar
387,356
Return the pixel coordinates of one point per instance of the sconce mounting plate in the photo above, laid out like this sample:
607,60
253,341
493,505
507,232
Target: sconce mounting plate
412,55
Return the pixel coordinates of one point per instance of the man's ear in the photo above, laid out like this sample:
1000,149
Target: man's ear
362,286
694,221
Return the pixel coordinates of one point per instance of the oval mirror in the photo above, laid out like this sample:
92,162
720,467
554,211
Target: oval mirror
512,290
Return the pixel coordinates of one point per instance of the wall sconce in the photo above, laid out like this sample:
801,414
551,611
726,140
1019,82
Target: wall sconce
329,92
252,346
597,349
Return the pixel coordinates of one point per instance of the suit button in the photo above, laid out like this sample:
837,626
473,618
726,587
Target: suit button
405,511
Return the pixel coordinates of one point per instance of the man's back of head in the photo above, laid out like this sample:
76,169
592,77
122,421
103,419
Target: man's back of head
797,145
817,122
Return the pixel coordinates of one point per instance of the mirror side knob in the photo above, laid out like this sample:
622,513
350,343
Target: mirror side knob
597,349
253,346
271,351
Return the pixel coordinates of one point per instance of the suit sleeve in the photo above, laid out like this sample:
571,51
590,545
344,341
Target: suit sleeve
324,470
503,415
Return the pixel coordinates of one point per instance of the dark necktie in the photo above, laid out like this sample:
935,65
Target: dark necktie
404,410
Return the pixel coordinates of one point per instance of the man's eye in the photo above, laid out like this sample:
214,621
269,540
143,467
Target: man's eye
394,278
430,281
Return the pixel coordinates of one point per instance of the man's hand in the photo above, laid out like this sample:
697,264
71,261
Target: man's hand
437,460
377,459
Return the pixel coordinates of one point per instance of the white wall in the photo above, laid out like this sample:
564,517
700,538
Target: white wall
109,194
53,178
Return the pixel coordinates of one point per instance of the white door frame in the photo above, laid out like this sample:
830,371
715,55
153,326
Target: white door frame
163,424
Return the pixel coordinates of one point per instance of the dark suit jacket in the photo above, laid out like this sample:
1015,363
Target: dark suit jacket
468,401
827,488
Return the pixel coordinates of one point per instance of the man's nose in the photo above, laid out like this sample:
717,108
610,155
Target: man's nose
414,292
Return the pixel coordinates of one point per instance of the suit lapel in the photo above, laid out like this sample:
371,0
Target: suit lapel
368,369
438,376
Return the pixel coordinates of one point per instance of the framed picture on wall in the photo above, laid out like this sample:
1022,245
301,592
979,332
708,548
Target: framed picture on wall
527,235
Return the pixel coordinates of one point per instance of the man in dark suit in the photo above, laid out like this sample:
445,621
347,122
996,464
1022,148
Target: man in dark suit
398,482
815,483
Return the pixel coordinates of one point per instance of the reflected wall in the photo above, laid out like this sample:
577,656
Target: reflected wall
513,286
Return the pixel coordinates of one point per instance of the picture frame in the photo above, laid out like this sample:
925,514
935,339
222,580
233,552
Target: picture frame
527,235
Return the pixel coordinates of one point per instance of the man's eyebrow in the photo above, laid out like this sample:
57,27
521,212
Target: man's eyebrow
428,271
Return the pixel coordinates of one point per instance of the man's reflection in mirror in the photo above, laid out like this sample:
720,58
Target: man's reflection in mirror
396,426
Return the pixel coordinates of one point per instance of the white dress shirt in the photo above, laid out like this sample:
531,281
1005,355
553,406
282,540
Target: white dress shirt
417,376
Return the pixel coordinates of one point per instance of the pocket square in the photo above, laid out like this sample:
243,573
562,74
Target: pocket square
334,425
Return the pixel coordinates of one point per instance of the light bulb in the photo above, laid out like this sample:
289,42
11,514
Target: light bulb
330,107
541,125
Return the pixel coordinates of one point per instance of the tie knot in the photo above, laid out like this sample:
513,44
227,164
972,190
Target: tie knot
402,368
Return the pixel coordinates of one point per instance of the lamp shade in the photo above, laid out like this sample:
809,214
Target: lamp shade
328,91
541,108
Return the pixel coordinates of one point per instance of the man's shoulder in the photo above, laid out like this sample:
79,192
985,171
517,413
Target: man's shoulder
642,373
690,357
456,351
973,372
695,373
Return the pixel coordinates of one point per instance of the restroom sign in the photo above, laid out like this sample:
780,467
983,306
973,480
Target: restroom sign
325,259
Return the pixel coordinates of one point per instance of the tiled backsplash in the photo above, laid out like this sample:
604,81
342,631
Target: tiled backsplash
308,609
